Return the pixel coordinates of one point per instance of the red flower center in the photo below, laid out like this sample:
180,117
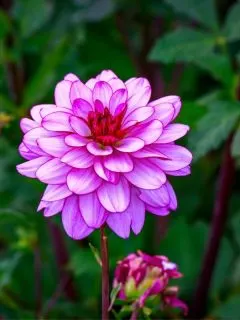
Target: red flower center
106,128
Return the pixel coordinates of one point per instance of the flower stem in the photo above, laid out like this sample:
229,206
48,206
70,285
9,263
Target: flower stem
219,219
105,275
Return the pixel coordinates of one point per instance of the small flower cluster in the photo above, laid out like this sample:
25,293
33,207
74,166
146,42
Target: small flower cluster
141,276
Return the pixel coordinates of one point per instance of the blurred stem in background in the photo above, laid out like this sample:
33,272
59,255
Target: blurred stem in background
105,275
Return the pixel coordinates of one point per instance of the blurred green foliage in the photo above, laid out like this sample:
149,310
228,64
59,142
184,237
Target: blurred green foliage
194,47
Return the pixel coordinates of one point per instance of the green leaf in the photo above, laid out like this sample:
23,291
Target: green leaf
218,66
191,113
82,263
96,254
7,267
182,45
42,81
114,294
235,148
203,11
231,27
31,15
228,310
214,127
235,226
4,24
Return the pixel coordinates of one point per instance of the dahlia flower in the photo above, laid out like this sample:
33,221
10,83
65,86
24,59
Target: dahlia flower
104,152
141,276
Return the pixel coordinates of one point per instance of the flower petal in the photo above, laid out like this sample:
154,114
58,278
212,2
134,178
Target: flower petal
156,198
106,75
138,216
120,223
30,167
130,144
172,196
80,126
164,112
114,197
72,220
102,92
74,140
62,94
139,92
45,111
178,157
71,77
53,172
146,175
52,208
78,158
119,97
182,172
57,121
54,146
174,100
150,151
92,211
26,153
91,83
83,181
81,108
28,124
80,91
139,114
56,192
104,173
172,132
99,150
116,84
158,211
148,132
35,111
118,162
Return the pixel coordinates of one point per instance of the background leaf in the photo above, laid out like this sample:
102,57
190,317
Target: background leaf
232,24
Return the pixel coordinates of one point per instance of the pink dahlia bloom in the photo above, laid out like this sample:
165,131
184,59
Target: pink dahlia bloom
141,276
104,152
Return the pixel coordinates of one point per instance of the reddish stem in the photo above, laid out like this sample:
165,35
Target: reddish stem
105,275
219,219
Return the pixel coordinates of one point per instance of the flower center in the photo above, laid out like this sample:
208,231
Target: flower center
106,128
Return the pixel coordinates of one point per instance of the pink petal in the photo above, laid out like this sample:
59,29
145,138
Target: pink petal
106,75
139,92
53,172
52,208
156,198
45,111
174,100
54,146
99,150
71,77
80,126
120,223
178,157
56,192
74,140
158,211
172,132
157,287
62,94
118,162
130,144
172,196
30,139
26,153
91,83
114,197
57,121
27,124
78,158
138,216
139,114
30,167
164,112
72,220
83,181
92,211
150,151
104,173
80,91
146,175
182,172
148,132
35,111
119,97
116,84
102,92
81,108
